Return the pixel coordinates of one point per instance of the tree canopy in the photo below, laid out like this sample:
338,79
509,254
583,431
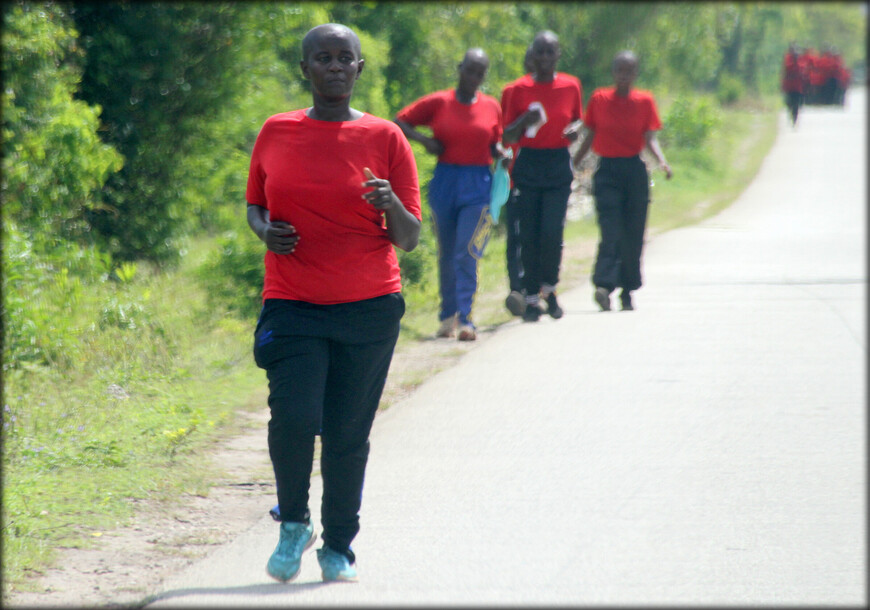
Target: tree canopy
128,126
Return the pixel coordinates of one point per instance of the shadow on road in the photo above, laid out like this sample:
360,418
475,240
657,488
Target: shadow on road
262,589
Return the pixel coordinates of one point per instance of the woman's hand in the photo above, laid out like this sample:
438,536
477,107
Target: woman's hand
666,169
433,146
403,228
280,237
530,117
572,131
381,196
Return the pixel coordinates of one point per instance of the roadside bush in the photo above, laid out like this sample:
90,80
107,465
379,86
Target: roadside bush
39,291
730,90
689,122
233,276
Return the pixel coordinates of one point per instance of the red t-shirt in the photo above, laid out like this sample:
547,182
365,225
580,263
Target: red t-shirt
620,123
467,131
830,66
805,61
562,102
816,73
792,77
310,173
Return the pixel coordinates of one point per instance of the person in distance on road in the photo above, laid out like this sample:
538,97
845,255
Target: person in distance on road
330,191
792,82
466,129
537,109
620,121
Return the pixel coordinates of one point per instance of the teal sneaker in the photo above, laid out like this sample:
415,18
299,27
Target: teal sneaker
335,565
285,562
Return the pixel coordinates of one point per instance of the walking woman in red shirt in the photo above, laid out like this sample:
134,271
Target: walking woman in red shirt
330,191
619,123
537,108
466,129
792,82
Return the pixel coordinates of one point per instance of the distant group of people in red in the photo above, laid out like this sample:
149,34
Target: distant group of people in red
810,78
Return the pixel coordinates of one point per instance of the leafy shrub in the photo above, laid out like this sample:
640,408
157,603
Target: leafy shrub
126,316
730,89
233,276
39,289
54,162
689,122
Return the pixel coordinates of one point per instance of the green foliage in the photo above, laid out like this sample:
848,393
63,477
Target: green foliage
369,90
730,89
689,122
39,291
170,79
232,274
53,161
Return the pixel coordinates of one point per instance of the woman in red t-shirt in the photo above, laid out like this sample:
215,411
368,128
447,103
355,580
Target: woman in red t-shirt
619,123
466,128
792,81
537,109
330,191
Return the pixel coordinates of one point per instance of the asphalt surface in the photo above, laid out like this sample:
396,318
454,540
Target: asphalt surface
707,448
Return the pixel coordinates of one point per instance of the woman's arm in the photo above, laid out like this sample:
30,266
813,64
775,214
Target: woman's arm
431,145
513,131
280,237
585,145
652,143
500,154
403,228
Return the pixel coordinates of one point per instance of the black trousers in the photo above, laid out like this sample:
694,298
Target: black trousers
327,366
513,252
621,189
794,100
542,182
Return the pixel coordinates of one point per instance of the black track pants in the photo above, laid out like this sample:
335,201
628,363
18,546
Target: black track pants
326,365
621,189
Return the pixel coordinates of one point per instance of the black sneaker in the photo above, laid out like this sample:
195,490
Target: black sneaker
532,312
602,297
625,299
553,306
515,302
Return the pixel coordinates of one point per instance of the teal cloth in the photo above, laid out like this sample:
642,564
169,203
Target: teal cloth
499,192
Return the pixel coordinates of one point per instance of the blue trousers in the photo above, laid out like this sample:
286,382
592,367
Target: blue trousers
459,199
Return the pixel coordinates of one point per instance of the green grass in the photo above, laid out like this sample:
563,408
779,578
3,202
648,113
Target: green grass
152,376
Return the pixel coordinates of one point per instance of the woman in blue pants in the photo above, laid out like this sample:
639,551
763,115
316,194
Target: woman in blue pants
466,129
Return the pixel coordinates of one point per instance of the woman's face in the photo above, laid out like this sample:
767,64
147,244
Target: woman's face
333,65
472,71
545,53
624,73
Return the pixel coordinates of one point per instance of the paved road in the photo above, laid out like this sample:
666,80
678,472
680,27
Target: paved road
707,448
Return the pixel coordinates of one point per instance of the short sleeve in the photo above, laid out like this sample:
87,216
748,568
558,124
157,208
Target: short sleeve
422,111
403,175
255,193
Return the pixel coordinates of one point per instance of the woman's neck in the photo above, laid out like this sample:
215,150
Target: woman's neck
466,97
338,110
544,77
